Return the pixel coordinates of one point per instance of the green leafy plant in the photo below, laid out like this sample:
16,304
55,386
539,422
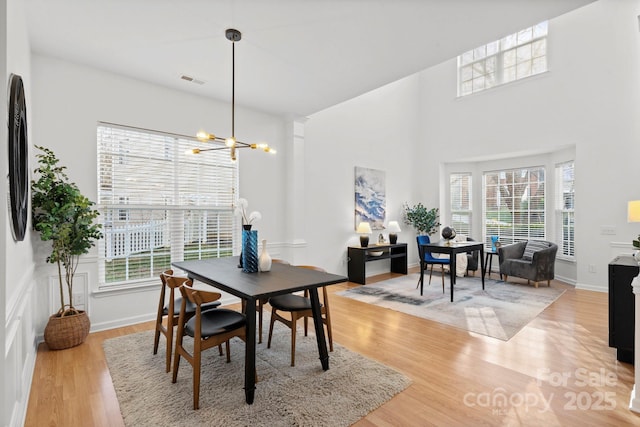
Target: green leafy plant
636,242
424,220
65,217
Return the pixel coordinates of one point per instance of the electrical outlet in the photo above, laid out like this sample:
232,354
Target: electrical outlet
78,299
592,268
608,230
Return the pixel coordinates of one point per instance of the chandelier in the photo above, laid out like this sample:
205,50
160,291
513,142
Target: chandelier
231,142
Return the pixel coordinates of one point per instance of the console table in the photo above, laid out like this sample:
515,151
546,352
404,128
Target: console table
622,270
359,256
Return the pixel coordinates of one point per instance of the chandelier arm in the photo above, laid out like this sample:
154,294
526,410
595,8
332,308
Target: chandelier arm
231,143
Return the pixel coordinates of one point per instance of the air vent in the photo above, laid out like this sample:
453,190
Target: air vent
192,79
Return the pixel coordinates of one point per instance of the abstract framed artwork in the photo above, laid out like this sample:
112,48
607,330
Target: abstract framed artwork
370,197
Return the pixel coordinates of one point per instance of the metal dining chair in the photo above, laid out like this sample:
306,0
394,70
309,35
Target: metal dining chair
427,259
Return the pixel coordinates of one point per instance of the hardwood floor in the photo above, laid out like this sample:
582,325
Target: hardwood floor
558,370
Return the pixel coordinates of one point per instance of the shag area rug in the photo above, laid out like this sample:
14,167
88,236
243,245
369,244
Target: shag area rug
499,311
303,395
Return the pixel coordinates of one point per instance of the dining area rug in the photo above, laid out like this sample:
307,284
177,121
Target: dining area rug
499,311
303,395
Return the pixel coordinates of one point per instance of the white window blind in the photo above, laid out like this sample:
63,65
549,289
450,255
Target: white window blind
513,57
565,214
159,205
514,204
460,191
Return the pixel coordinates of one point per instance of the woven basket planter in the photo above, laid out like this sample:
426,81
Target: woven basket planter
66,331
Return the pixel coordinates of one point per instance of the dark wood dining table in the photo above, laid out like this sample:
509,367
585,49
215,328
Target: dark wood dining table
224,274
451,248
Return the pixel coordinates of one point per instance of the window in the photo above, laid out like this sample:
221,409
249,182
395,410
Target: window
514,204
160,205
513,57
565,213
460,194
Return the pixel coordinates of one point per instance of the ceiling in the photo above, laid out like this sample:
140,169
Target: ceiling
295,57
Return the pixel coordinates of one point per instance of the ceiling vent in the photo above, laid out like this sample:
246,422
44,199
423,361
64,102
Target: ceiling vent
192,79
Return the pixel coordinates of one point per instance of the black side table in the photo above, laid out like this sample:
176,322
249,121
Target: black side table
488,259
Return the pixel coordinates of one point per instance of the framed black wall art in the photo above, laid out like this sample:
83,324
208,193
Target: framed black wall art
18,158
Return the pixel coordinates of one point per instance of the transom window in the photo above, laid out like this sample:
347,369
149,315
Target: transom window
514,204
159,205
513,57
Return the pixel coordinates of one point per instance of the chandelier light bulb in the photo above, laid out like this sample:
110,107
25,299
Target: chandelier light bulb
204,136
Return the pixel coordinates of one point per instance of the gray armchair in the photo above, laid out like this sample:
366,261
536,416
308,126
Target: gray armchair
533,260
472,259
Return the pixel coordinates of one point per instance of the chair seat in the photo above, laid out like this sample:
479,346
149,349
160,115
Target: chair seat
215,322
290,302
437,260
191,307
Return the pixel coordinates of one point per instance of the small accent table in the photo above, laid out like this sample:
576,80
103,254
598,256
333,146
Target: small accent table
358,257
489,253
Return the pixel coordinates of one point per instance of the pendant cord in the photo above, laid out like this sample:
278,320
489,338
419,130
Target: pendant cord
233,90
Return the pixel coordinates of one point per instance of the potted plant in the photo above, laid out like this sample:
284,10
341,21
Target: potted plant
424,220
65,217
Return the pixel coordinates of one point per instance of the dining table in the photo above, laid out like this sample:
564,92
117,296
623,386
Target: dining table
451,248
224,274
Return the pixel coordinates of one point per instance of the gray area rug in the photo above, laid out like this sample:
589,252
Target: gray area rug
303,395
499,311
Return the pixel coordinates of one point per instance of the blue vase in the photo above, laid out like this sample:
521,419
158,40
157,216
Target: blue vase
250,251
494,239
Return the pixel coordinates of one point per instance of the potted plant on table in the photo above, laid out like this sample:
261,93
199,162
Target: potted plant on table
424,220
65,217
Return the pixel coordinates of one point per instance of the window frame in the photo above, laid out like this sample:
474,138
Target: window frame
454,210
166,210
566,247
474,69
496,224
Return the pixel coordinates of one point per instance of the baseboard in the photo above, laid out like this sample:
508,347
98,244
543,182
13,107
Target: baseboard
133,320
593,288
19,413
567,280
634,401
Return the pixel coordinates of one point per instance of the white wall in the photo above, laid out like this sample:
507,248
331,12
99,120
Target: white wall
588,99
69,100
374,131
415,128
410,129
18,333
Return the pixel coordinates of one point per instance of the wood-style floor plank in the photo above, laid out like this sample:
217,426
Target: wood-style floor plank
458,377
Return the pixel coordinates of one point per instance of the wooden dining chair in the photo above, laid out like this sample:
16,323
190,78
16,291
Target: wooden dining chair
260,304
169,311
208,329
299,307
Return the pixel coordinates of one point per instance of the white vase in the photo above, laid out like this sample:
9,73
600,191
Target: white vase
265,259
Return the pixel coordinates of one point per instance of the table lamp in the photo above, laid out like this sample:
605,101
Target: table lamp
393,228
633,215
364,229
